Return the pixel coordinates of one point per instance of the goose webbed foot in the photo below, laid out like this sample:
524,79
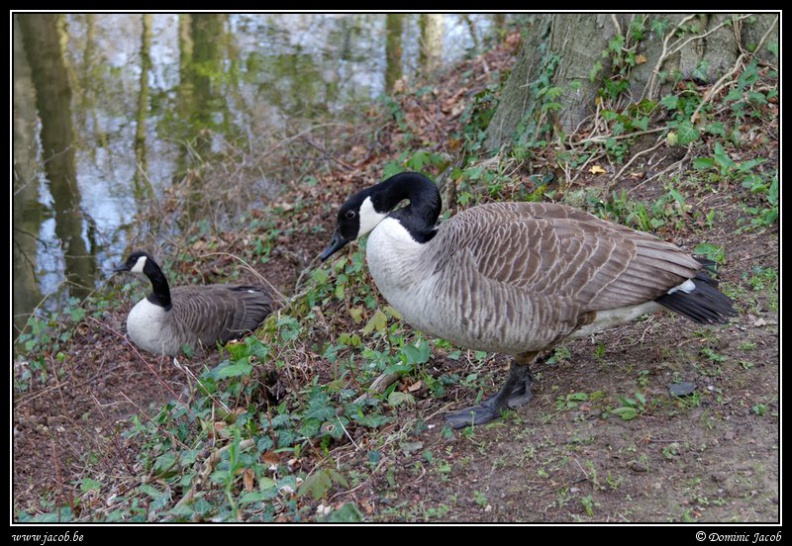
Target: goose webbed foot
516,392
475,415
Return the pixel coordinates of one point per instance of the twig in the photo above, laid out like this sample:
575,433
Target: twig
441,410
354,443
327,155
630,162
669,168
710,31
662,59
721,83
247,266
616,24
753,256
603,138
379,385
209,465
149,366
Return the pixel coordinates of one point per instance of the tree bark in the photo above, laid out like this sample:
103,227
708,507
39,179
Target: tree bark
431,51
393,49
580,53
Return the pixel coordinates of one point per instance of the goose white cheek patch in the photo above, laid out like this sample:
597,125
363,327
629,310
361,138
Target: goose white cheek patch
139,265
369,217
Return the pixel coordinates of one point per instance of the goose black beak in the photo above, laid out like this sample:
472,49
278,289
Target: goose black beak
121,269
336,243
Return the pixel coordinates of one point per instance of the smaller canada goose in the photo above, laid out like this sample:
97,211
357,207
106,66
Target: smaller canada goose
167,320
516,278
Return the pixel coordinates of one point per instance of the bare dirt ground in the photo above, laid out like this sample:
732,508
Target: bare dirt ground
709,456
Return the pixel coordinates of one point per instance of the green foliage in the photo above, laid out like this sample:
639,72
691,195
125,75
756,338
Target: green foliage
669,208
631,407
420,161
744,98
766,187
711,252
571,401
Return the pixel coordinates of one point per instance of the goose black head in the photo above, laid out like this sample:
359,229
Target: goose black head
364,210
138,262
358,216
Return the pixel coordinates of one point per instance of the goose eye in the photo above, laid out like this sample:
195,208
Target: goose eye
350,215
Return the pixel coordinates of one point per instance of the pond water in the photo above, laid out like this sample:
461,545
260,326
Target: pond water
107,109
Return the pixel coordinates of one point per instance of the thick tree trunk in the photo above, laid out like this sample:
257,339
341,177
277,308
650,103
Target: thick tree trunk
394,23
581,56
431,52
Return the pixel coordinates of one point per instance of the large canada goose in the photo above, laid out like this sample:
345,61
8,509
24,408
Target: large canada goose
168,320
516,278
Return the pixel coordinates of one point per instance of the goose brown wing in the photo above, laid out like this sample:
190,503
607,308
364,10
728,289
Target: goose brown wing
219,312
555,250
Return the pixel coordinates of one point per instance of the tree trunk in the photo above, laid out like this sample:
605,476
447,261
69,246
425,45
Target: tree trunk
570,60
27,209
431,52
143,187
393,49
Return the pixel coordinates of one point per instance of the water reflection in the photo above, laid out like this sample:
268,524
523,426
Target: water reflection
124,106
52,91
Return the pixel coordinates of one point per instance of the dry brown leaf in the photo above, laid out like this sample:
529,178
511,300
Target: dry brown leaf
640,59
248,479
270,457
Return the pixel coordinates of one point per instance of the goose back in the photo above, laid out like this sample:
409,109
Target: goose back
516,277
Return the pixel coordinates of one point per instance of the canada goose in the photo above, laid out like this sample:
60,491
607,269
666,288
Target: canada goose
168,319
516,278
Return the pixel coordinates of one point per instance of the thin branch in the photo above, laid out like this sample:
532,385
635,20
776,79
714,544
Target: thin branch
603,138
146,362
667,169
662,58
630,162
681,46
616,24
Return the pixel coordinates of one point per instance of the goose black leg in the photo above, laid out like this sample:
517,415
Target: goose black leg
515,392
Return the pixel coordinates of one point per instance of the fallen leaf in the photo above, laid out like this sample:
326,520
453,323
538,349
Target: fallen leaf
640,59
248,479
270,457
596,169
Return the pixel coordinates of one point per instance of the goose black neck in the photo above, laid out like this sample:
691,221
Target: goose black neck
160,294
420,216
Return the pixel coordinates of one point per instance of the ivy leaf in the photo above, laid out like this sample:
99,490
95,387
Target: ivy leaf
317,484
397,398
670,101
687,133
378,322
347,513
417,355
240,368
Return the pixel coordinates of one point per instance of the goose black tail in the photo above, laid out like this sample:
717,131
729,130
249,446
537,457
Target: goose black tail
705,304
